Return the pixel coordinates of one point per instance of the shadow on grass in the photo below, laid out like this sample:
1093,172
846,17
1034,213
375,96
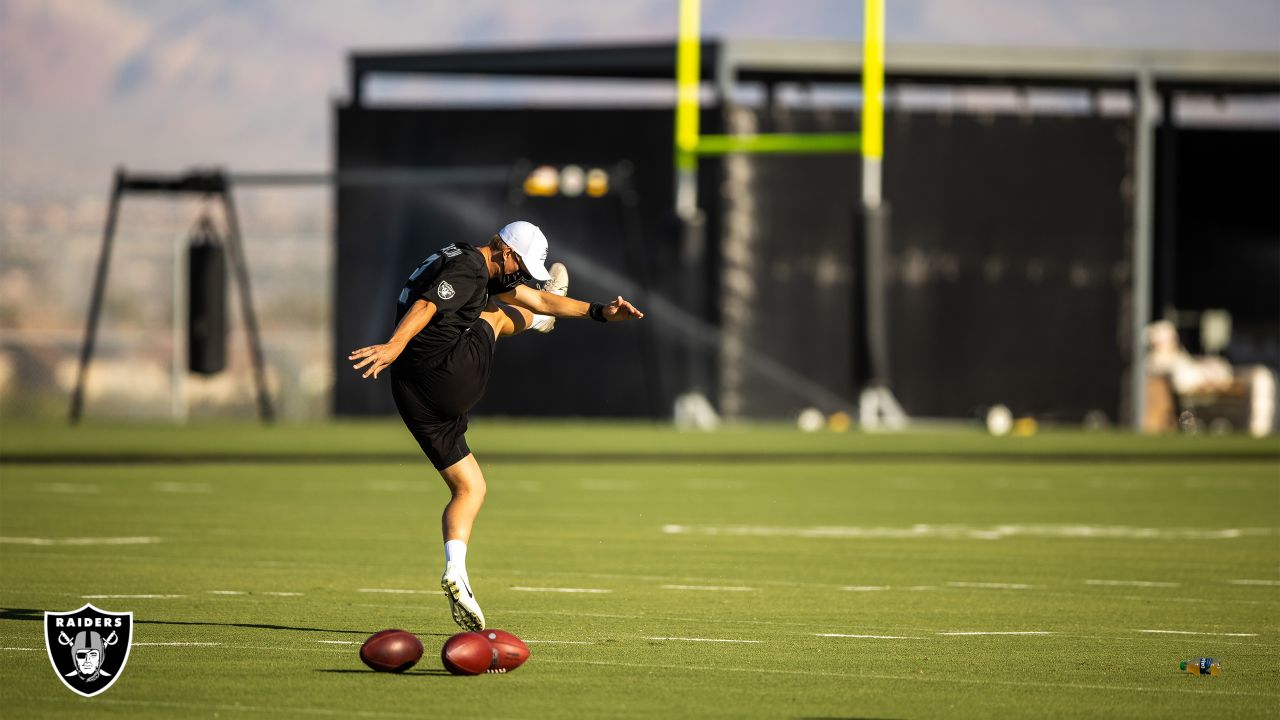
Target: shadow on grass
349,671
38,616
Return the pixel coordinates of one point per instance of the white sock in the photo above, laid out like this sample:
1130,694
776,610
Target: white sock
540,321
455,553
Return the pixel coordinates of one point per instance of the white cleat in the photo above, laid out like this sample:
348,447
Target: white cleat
462,602
557,285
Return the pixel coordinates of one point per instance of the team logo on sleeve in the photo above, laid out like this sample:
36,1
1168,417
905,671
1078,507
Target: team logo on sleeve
88,647
444,290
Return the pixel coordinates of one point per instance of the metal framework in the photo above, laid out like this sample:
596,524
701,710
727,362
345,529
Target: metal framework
206,183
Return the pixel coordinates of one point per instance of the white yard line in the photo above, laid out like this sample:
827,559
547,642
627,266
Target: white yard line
1132,583
17,648
1265,583
396,591
1192,632
710,640
714,588
68,488
998,632
283,594
522,588
609,616
561,642
991,585
227,592
1163,598
204,708
179,487
607,484
336,642
293,649
80,541
399,486
868,637
131,597
1199,689
177,644
667,578
968,532
864,588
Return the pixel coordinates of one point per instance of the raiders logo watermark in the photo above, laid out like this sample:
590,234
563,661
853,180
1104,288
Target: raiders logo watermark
444,290
88,647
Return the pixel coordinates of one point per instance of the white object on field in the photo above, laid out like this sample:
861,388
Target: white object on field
693,411
811,420
999,420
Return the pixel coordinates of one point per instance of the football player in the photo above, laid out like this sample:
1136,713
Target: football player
439,356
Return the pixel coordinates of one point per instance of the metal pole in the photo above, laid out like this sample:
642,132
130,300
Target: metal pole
241,271
872,101
95,300
877,406
1143,212
688,84
1164,274
692,222
876,251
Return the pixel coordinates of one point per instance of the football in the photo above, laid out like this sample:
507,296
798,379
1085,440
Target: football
509,651
467,653
391,651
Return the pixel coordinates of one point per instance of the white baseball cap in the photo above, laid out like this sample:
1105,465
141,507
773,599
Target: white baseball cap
530,244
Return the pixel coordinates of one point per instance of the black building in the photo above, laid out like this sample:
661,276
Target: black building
1045,205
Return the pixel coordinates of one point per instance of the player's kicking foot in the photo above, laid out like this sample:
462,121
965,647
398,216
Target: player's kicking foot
557,285
462,602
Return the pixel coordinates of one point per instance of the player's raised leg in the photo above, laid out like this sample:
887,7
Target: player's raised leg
467,488
506,320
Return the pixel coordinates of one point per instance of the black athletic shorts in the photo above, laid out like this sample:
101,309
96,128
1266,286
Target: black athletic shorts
434,402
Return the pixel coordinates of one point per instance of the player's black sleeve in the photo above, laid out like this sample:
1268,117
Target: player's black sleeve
449,282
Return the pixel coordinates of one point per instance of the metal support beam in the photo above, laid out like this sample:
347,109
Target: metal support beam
95,300
200,182
877,407
240,267
872,101
688,85
1166,230
1144,104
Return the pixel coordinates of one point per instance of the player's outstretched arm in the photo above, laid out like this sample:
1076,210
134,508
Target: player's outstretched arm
378,357
545,303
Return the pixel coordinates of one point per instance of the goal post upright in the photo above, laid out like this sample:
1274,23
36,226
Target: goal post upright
688,85
877,406
872,100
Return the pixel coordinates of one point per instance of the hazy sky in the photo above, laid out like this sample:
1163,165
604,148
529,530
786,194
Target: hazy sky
163,84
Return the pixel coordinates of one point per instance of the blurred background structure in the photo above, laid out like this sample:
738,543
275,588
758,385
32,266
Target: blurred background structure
1058,175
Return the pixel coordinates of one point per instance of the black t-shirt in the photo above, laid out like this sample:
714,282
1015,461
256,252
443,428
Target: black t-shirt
456,279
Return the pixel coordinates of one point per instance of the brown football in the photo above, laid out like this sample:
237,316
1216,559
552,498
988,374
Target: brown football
391,651
509,651
467,653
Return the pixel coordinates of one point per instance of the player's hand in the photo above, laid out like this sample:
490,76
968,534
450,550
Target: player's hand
620,310
377,357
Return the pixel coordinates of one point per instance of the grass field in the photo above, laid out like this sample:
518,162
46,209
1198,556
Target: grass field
748,573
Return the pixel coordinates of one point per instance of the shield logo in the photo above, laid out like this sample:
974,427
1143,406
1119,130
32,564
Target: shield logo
444,290
88,647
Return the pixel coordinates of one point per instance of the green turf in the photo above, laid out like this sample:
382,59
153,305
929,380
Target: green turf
387,440
577,518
